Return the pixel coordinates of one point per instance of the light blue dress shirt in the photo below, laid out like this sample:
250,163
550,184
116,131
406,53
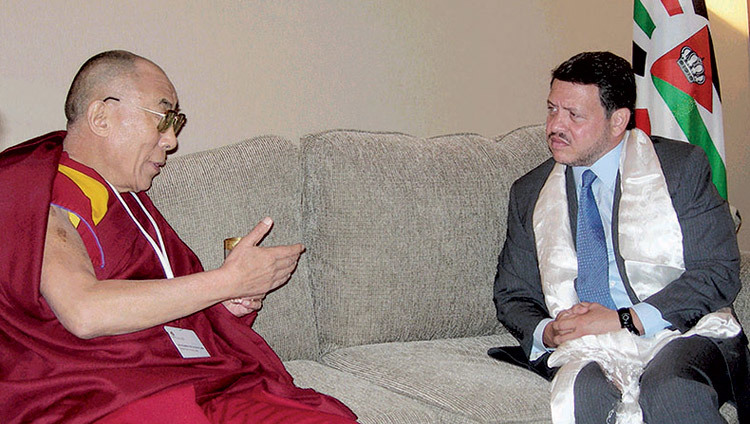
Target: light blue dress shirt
604,193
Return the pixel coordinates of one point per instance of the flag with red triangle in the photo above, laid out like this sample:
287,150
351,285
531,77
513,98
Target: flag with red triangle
677,83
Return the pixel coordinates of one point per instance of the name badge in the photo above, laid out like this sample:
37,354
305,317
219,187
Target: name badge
187,342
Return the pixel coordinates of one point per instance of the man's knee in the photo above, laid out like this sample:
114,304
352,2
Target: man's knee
673,398
595,396
678,383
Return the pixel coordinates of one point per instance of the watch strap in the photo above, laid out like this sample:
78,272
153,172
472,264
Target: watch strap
626,320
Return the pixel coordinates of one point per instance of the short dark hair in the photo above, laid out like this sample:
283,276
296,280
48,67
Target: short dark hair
612,74
102,68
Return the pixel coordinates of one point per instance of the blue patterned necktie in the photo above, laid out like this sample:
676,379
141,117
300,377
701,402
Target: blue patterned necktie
592,283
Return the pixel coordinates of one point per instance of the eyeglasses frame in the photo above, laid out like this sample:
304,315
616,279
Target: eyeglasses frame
170,119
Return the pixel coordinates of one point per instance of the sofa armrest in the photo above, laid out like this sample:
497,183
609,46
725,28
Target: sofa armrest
742,303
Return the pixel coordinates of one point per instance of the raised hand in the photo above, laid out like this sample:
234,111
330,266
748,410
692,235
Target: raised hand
255,270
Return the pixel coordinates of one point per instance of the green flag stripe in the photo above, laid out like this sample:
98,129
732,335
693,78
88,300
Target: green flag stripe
643,19
686,113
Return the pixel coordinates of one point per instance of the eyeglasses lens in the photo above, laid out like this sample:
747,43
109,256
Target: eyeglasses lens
171,118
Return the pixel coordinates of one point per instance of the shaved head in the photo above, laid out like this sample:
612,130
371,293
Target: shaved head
95,76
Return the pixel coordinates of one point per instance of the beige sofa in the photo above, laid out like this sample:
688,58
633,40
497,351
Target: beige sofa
390,309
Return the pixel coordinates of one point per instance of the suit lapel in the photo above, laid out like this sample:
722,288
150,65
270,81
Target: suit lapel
570,188
616,242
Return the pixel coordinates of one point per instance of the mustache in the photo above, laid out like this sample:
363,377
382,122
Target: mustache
558,135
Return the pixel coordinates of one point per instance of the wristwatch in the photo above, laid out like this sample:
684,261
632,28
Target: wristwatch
626,320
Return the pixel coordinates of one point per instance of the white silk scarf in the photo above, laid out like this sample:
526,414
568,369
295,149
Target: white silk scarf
622,356
650,243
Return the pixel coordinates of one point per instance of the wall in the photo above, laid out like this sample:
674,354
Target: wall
291,67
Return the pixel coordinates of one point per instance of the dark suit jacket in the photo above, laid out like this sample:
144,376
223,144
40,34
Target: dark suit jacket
712,261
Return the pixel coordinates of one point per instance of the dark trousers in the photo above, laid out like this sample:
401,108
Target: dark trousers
687,382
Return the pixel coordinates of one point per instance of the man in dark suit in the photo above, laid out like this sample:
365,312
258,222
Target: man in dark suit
648,245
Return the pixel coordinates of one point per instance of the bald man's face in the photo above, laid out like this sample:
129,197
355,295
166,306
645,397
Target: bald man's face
137,150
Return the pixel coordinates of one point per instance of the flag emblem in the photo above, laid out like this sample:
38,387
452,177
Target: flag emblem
691,65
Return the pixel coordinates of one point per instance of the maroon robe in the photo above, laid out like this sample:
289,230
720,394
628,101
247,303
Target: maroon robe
48,375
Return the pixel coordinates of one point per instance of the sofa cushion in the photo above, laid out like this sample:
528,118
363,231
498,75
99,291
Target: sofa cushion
527,147
216,194
742,303
372,404
403,234
454,374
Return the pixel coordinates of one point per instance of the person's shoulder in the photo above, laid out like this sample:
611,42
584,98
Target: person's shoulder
528,186
674,149
43,143
535,177
25,167
83,195
677,156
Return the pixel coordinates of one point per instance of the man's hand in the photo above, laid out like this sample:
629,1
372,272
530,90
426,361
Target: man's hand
257,270
242,306
580,320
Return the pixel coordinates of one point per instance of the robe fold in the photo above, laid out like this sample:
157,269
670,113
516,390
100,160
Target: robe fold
48,375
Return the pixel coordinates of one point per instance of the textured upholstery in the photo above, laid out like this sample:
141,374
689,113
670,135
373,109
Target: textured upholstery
527,148
374,404
742,304
452,374
225,192
404,234
390,309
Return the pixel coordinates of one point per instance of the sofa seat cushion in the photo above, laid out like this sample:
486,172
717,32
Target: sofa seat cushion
452,374
427,379
372,404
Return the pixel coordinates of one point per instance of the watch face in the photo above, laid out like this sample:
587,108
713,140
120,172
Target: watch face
626,317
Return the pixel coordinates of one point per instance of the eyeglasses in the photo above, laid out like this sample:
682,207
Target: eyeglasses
171,118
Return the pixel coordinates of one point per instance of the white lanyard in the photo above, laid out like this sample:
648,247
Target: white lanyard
160,250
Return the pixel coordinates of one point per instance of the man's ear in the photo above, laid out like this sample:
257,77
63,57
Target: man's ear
98,117
619,120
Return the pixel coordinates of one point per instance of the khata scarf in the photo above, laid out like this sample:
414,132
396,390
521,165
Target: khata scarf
650,242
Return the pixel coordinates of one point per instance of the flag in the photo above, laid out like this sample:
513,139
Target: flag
676,79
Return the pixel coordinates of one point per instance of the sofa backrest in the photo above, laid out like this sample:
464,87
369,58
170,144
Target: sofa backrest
216,194
403,233
527,148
